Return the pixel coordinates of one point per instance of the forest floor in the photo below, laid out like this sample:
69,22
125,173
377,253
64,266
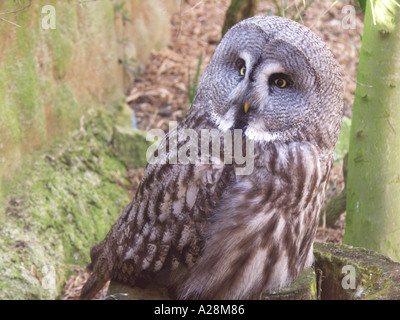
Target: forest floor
160,93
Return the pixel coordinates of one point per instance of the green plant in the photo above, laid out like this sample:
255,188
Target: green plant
119,8
362,4
283,8
192,88
128,64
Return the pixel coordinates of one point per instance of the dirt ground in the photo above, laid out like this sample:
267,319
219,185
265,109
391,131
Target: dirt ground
159,94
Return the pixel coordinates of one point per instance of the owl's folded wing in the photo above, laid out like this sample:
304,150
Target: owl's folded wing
160,233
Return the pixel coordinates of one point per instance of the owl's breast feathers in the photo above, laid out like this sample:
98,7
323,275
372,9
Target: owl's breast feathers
207,233
263,228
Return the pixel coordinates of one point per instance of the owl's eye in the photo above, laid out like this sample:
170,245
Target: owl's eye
241,66
280,80
281,83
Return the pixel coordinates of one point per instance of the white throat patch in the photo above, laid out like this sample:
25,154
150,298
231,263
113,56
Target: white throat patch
224,122
258,133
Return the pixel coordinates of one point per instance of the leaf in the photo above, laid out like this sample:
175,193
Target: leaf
192,89
342,145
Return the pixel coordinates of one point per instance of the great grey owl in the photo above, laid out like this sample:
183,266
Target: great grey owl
205,231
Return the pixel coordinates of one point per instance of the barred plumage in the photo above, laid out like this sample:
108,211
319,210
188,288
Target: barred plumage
270,221
207,229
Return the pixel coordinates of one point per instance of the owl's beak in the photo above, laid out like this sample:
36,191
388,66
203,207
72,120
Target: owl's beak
246,106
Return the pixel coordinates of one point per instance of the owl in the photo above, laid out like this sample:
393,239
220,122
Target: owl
207,229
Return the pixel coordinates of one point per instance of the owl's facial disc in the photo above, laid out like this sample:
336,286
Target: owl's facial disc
275,80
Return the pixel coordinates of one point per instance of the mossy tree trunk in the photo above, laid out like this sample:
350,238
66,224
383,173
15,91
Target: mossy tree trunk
237,11
373,185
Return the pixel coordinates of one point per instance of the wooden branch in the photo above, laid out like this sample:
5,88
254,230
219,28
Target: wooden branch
333,209
5,20
15,11
18,10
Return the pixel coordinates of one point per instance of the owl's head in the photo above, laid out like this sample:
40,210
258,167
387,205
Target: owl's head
275,79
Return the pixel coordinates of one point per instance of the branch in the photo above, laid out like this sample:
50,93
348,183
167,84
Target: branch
15,11
5,20
18,10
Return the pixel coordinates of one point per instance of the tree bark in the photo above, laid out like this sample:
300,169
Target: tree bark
349,273
373,184
237,11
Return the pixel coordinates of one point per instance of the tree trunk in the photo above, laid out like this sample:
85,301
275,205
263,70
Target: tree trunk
373,184
237,11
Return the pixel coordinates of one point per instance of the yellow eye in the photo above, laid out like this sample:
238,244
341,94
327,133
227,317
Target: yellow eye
281,83
242,71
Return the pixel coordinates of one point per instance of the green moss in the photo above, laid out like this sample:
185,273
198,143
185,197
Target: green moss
131,145
30,111
59,192
62,55
61,40
10,128
101,16
66,110
303,288
376,276
21,64
63,203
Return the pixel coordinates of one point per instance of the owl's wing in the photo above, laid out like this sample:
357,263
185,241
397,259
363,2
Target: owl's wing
262,232
159,234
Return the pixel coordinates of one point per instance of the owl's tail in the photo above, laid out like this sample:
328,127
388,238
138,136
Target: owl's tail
101,271
91,287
